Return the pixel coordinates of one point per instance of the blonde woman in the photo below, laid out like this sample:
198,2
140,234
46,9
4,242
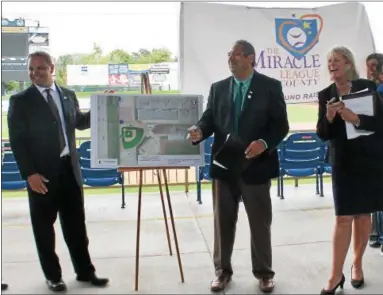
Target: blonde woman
357,166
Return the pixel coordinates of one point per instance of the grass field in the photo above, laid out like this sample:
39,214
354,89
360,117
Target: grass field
298,113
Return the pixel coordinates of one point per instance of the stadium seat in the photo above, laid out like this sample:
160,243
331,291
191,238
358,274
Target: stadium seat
203,172
10,174
96,177
84,149
10,167
11,180
101,177
300,157
325,167
280,155
5,146
8,157
85,162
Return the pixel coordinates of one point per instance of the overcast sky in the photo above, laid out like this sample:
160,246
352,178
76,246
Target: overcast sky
74,26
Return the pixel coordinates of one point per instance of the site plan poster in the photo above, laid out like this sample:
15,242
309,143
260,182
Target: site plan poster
144,130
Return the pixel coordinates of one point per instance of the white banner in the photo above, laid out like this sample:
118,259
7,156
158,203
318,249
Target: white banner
291,44
87,75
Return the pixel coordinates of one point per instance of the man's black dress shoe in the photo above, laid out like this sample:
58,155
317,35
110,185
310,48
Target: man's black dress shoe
93,280
56,286
4,286
374,243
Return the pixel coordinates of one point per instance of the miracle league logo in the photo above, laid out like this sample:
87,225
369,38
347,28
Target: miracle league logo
296,36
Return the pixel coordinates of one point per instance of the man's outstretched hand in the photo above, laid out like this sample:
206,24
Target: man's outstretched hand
194,134
37,183
255,148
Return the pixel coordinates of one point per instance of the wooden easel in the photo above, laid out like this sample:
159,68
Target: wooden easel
145,86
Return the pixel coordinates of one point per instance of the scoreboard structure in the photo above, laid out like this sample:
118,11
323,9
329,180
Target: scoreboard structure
18,40
14,50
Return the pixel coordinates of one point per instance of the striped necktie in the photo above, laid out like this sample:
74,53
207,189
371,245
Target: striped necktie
52,105
238,107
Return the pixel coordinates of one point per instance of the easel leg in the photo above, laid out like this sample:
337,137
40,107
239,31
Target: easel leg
138,230
173,225
123,190
164,211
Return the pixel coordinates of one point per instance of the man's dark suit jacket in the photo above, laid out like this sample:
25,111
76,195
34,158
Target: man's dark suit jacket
33,132
264,117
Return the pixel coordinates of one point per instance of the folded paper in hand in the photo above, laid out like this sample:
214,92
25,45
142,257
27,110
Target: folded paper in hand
361,103
231,156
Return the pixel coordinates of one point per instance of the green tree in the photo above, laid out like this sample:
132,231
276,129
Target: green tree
96,57
161,55
117,56
11,86
61,64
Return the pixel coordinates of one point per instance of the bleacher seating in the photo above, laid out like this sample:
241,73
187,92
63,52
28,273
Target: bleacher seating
11,180
9,157
279,149
300,156
96,177
10,174
85,162
325,167
10,167
6,146
84,149
203,172
100,177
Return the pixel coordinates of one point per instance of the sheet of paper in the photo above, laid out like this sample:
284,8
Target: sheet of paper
219,164
362,106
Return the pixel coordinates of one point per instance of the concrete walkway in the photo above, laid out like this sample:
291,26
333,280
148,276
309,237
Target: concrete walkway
302,228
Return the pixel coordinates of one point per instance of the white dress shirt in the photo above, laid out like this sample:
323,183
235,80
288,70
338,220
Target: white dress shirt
56,98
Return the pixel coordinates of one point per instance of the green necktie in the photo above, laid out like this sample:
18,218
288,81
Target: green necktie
238,107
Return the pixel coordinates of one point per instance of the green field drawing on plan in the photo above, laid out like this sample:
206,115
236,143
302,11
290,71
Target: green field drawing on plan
131,136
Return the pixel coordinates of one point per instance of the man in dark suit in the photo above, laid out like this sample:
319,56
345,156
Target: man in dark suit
252,106
42,121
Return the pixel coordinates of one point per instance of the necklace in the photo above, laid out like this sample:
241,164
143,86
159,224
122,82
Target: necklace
349,91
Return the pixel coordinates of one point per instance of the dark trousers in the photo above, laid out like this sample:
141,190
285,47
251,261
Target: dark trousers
64,197
374,230
257,202
376,235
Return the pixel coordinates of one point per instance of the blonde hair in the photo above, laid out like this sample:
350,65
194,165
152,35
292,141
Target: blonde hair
351,72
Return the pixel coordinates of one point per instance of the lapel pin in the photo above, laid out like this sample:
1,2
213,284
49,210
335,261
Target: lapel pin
65,97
